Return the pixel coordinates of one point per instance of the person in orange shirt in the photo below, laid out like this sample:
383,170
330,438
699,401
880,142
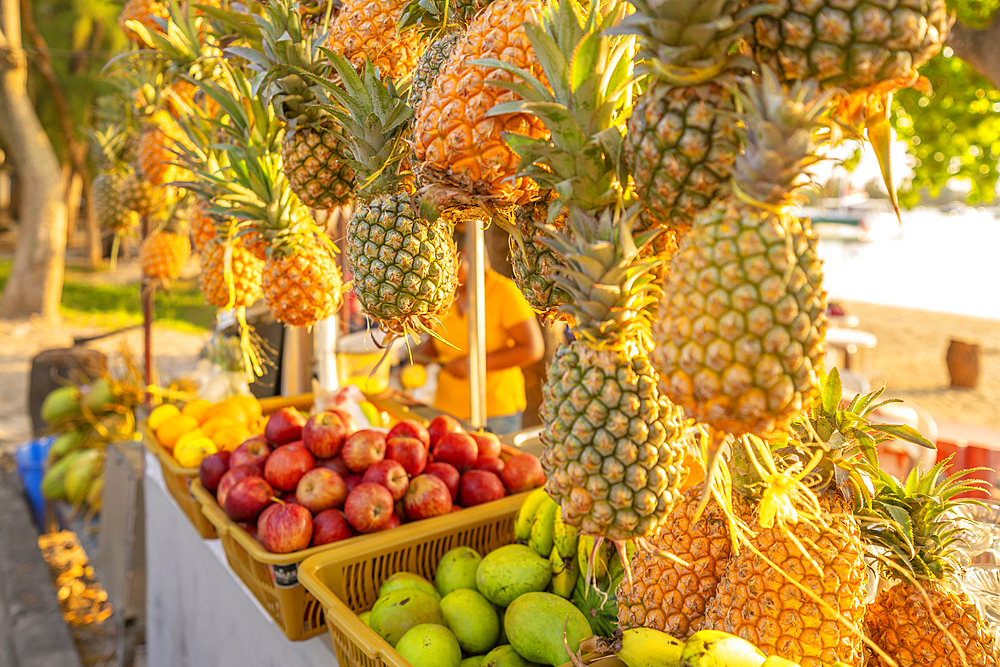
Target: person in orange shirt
513,340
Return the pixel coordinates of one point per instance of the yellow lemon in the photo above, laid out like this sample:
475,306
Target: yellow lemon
231,437
190,453
228,410
412,376
198,408
216,424
171,430
161,414
249,404
190,435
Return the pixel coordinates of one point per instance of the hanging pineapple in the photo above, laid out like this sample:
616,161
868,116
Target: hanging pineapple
230,276
740,339
405,266
164,253
367,29
925,619
146,12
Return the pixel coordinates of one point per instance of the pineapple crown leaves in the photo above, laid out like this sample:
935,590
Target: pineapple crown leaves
611,291
914,522
591,82
689,42
180,41
286,52
782,129
373,114
438,16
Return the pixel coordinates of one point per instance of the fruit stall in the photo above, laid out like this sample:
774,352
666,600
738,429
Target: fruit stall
706,489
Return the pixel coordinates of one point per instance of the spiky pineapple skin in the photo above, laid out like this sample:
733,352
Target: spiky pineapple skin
143,197
613,446
405,268
758,603
163,254
428,67
742,327
681,150
666,595
848,43
154,157
368,28
315,163
111,204
202,226
454,142
900,623
533,263
145,12
301,284
245,276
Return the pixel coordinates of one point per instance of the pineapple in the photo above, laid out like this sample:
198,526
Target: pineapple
163,254
925,619
682,139
851,45
143,197
367,29
230,276
405,266
670,596
455,144
202,226
146,12
314,155
110,203
300,279
428,67
532,261
740,334
155,157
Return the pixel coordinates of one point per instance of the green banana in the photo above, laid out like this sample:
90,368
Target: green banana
564,574
584,547
565,538
522,524
541,528
646,647
714,648
80,474
54,480
66,443
95,493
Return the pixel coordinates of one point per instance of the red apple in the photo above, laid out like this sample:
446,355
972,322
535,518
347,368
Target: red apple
336,464
285,527
400,511
480,486
522,472
347,418
249,526
212,468
426,496
394,522
363,449
488,443
442,424
233,475
368,507
254,450
389,474
286,465
410,452
352,482
447,474
289,497
410,428
457,508
284,426
248,498
330,526
323,434
458,449
492,463
321,489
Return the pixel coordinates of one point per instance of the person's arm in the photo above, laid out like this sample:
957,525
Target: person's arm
528,348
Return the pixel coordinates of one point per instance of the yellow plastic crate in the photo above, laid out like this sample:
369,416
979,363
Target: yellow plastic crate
275,579
346,581
177,479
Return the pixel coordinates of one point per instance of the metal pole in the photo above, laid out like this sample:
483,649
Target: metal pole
325,345
147,324
476,286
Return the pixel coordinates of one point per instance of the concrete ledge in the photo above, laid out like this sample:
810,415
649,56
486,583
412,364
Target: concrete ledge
32,630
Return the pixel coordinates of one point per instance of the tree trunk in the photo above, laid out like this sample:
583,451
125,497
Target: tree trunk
978,48
35,283
95,244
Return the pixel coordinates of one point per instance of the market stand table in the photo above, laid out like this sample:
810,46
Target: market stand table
198,613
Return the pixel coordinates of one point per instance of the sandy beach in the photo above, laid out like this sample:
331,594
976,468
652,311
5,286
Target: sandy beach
910,359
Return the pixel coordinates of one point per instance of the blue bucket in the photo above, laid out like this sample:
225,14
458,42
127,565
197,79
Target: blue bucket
30,459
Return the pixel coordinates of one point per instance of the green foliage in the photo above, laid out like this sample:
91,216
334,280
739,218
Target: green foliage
974,13
954,133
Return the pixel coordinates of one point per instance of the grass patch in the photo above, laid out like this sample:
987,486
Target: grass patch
115,306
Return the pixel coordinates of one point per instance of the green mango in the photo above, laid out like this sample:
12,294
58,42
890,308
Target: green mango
400,610
535,624
54,480
510,571
430,645
506,656
80,474
99,396
66,443
60,404
404,580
